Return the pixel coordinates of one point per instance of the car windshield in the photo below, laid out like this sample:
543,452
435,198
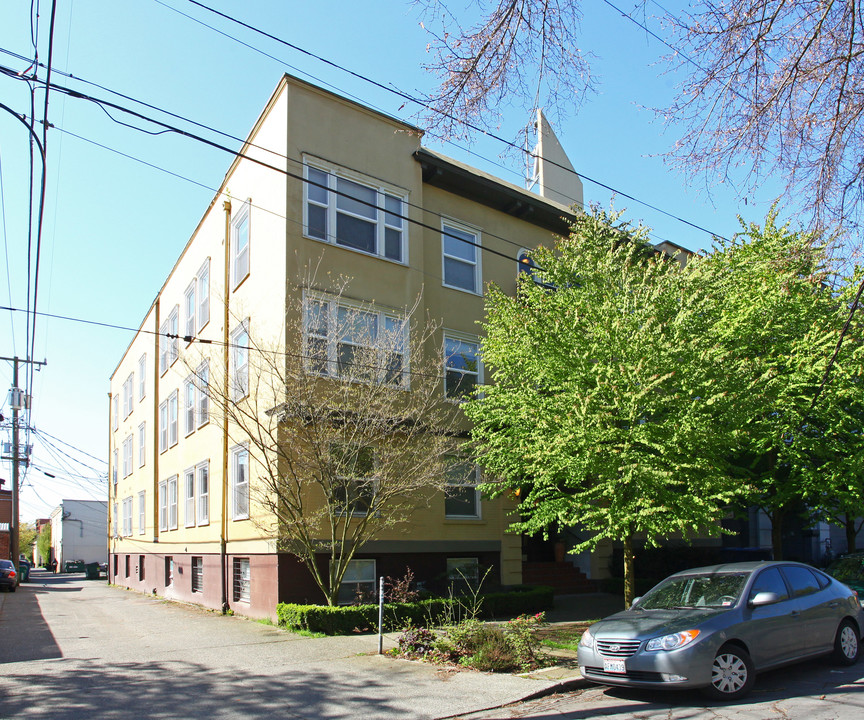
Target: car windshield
684,591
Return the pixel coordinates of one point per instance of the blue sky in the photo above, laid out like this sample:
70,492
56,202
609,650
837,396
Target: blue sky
114,226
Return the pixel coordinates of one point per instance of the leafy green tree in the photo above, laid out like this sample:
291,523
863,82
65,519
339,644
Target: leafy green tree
26,537
605,394
43,543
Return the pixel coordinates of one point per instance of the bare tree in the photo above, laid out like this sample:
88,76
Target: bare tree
346,423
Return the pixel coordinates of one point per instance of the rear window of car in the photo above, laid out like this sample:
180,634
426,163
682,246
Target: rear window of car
802,580
6,564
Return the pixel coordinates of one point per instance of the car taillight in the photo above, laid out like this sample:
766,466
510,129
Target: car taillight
12,573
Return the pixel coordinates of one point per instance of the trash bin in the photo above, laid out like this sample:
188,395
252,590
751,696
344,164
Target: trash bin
73,566
92,571
23,571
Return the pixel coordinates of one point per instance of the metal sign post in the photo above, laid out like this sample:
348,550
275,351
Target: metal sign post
381,615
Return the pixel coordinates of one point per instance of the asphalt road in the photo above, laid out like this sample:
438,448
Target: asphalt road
810,691
72,649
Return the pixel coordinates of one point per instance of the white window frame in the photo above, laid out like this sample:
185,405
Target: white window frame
172,502
115,411
142,377
163,426
385,219
197,576
450,230
202,376
173,409
115,470
190,305
359,574
142,444
240,361
453,481
203,300
329,335
128,453
127,516
115,527
240,265
189,480
464,338
163,505
202,489
190,400
241,580
128,390
169,346
142,512
239,490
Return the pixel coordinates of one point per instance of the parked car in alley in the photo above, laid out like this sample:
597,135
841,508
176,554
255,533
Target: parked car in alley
715,627
8,576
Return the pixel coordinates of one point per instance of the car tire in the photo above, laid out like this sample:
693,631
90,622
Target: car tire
847,644
732,674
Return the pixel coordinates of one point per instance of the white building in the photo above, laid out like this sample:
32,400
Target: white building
79,531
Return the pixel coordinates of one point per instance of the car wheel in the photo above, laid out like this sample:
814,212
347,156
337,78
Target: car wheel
846,644
732,674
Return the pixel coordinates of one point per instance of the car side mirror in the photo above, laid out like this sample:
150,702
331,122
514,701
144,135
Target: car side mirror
764,598
635,601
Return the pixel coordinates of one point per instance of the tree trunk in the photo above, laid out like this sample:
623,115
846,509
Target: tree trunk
777,533
849,526
629,576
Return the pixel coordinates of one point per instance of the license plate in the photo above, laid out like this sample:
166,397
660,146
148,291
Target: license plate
614,666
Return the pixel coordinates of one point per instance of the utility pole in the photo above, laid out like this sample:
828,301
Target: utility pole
18,400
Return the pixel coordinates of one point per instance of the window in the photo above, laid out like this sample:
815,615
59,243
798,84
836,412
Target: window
142,376
769,580
172,419
801,580
189,402
168,341
463,572
197,574
355,213
240,483
241,580
163,505
114,469
240,244
203,377
189,496
240,361
128,389
460,257
358,582
355,343
169,571
203,280
462,367
128,452
354,486
127,516
115,526
127,566
462,499
140,567
115,411
172,503
163,426
189,306
203,473
142,444
142,512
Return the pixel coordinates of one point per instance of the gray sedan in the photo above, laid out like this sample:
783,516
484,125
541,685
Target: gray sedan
715,627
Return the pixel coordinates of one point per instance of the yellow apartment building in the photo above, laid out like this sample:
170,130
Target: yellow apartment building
324,187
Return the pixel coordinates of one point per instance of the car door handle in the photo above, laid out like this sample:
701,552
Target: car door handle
833,604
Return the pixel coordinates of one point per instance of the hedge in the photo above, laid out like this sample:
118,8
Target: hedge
347,619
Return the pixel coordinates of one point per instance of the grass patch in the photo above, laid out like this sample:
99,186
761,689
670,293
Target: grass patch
308,633
563,637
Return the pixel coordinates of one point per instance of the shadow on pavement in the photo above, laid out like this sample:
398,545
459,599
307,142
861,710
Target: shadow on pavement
189,690
26,635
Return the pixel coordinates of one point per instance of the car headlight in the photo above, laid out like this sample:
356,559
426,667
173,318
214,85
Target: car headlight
587,640
673,641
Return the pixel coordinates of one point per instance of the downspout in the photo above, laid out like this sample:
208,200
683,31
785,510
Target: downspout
223,538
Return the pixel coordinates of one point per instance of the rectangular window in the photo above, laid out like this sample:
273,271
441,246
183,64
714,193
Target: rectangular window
189,496
142,376
358,582
355,212
240,361
189,402
460,257
462,367
462,499
242,577
114,469
140,567
203,377
115,523
142,444
142,512
355,343
240,483
203,281
128,452
354,486
163,505
189,306
163,426
197,574
128,390
127,516
172,503
169,571
203,473
128,566
115,411
172,419
168,340
240,244
463,572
